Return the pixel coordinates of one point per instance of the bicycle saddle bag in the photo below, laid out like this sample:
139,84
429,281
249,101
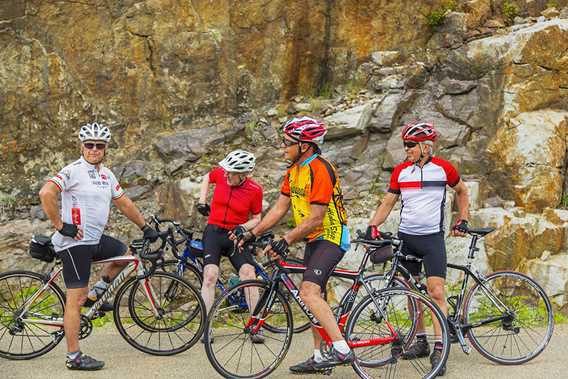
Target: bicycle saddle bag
381,254
41,248
196,248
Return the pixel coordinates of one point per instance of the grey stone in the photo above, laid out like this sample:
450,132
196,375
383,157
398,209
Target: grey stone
385,58
550,13
132,172
138,192
303,107
457,87
37,213
272,112
350,122
564,13
385,113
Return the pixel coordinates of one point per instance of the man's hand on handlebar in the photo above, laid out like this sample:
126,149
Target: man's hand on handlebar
241,235
372,232
150,233
277,248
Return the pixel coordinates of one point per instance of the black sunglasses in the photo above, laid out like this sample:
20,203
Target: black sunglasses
91,146
288,143
409,144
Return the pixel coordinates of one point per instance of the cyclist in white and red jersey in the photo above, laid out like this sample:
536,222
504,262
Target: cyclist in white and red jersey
236,207
86,188
421,183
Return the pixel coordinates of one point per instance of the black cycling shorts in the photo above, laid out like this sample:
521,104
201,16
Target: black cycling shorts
216,242
431,248
77,259
320,258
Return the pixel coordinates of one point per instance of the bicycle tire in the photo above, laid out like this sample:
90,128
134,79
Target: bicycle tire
6,321
190,272
221,321
125,317
510,285
391,302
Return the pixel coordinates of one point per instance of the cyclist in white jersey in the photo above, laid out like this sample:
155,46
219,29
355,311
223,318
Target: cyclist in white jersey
421,183
87,189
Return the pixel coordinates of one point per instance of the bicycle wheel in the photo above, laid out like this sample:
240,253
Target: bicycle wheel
177,326
24,333
523,318
190,272
230,333
388,316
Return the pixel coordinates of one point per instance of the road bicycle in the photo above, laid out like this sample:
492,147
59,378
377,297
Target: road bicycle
155,312
381,326
506,315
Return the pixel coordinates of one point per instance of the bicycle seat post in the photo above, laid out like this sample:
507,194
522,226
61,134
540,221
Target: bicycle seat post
473,247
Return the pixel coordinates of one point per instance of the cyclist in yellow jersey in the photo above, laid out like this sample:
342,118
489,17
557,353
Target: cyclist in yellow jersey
312,189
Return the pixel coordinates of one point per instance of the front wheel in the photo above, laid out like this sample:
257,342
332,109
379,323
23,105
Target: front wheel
168,321
512,315
382,329
239,346
25,329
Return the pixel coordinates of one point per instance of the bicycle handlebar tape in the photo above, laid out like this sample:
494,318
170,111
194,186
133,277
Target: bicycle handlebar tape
69,230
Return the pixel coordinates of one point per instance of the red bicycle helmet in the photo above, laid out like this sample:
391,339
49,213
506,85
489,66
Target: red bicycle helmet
419,132
305,129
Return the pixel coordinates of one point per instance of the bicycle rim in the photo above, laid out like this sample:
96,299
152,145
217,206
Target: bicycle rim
25,340
518,336
229,342
176,329
190,273
391,315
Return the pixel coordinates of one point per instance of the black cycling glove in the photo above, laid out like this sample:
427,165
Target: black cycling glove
149,233
204,209
279,247
461,226
69,230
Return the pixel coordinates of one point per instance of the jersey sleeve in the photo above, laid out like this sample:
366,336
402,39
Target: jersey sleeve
115,187
322,185
394,186
452,176
285,188
215,175
62,179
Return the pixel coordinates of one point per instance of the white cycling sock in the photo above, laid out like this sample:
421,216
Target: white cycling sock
317,355
341,346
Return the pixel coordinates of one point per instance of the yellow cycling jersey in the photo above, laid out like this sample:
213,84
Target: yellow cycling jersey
315,181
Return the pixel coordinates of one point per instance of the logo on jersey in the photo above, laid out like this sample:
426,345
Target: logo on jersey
76,216
104,177
92,174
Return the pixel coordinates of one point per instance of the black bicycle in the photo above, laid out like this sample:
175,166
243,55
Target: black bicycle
506,315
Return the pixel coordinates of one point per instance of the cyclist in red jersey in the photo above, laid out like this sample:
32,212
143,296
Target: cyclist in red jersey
236,207
421,182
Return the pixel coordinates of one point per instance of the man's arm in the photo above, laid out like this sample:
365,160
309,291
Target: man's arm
273,216
254,221
48,195
315,219
462,200
384,209
127,208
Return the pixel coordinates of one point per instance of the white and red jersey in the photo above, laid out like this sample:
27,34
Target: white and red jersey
423,194
86,194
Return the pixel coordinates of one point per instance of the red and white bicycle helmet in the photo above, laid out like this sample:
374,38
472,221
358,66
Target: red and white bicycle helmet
305,129
419,132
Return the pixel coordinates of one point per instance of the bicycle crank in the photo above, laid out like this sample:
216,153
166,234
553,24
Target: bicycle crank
86,327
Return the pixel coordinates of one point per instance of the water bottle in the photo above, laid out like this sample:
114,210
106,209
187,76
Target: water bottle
233,280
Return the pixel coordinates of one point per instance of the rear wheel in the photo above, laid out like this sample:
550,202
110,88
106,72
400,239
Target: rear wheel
523,317
24,332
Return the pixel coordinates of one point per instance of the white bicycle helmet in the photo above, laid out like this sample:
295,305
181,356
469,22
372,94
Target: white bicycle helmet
238,161
94,132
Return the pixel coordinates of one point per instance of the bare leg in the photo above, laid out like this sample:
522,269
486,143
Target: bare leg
436,290
311,295
210,276
247,272
72,317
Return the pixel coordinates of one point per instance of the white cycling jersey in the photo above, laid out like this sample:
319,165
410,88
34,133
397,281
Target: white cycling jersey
86,195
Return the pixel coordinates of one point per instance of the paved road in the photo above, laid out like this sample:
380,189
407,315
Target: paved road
125,362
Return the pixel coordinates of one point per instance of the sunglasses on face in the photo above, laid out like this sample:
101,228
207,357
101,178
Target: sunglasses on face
288,143
91,146
409,144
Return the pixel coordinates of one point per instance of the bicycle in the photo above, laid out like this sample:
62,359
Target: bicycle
151,320
189,264
383,324
494,311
